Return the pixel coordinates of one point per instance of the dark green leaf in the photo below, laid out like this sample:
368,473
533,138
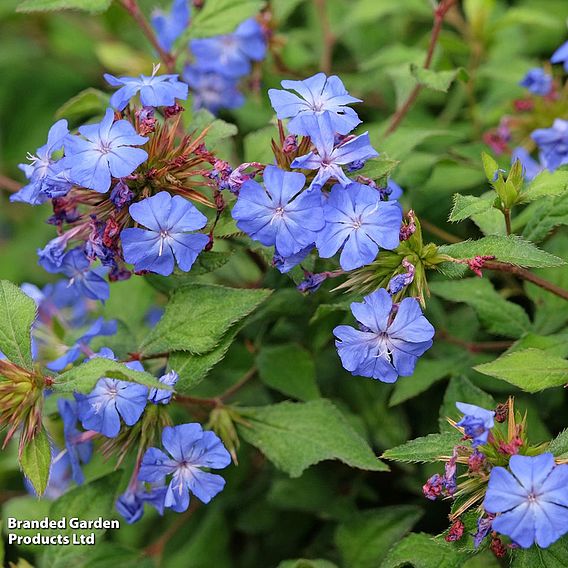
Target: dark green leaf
36,462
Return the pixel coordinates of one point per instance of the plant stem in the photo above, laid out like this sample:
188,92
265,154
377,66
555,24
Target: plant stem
328,37
507,215
474,346
131,6
8,184
525,274
439,15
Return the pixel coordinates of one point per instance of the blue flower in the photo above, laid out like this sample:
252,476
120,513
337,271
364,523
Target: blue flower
476,423
212,91
77,450
561,55
99,328
110,400
169,221
286,263
391,340
131,503
357,220
231,55
170,26
279,215
537,81
328,158
107,151
553,144
392,192
162,396
317,95
82,279
189,449
46,175
155,90
531,167
531,498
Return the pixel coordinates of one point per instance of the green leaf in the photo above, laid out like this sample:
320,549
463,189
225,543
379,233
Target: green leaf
365,539
559,446
83,378
49,5
219,130
555,556
17,313
198,316
192,369
294,436
426,373
436,80
531,370
378,168
83,106
289,369
545,184
546,215
467,205
426,449
490,166
305,563
495,313
423,551
219,17
36,462
511,249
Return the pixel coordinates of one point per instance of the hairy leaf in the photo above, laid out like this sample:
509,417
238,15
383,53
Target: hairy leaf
426,449
467,205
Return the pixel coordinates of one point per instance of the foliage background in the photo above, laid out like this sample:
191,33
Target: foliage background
347,516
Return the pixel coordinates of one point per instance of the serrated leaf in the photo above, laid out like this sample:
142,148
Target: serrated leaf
548,214
531,370
36,462
555,556
17,314
467,205
50,5
83,378
294,436
497,315
511,249
545,184
426,449
559,446
198,316
289,369
423,551
219,17
365,539
436,80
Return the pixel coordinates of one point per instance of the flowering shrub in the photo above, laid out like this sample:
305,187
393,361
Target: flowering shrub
243,336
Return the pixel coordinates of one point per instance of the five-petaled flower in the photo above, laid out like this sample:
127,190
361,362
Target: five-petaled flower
169,221
317,95
358,222
190,449
106,150
390,341
531,499
280,214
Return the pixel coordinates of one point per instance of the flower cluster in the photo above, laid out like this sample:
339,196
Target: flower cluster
519,490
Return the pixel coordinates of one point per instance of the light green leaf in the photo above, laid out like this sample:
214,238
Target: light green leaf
49,5
467,205
83,106
426,449
192,368
219,130
490,166
511,249
17,313
83,378
545,184
555,556
495,313
36,462
559,446
198,316
546,214
365,539
219,17
294,436
426,373
289,369
423,551
378,168
531,370
436,80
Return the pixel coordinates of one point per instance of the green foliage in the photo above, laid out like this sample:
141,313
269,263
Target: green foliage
365,539
531,370
546,184
426,449
437,80
48,5
87,104
294,436
194,322
17,313
555,556
36,461
222,17
465,206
